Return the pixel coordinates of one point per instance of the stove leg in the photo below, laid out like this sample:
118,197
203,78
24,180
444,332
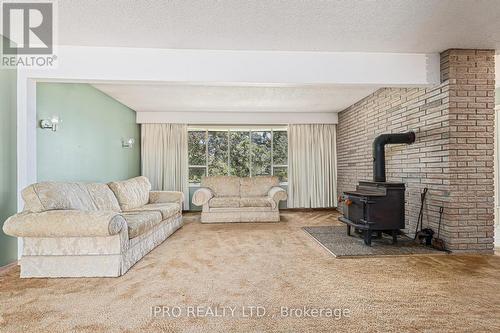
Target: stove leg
368,237
394,236
348,230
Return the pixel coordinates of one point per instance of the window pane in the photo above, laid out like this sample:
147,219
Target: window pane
261,153
280,147
282,173
240,154
195,174
217,153
197,148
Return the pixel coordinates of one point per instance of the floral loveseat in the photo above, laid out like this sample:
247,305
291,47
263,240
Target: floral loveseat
234,199
92,229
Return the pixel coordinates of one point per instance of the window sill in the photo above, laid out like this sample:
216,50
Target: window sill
199,185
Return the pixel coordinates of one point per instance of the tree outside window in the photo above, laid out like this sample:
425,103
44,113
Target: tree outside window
237,152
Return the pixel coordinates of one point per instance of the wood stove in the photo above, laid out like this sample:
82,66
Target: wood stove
377,206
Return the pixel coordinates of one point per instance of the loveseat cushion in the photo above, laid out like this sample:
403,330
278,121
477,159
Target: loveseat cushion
46,196
166,209
257,186
224,202
222,186
131,193
256,202
140,222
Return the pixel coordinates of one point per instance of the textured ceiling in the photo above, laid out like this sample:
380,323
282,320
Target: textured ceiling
205,98
421,26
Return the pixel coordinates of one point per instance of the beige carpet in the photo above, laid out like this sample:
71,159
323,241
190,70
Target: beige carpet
268,265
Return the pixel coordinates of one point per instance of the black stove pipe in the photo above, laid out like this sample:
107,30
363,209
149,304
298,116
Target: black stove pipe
379,151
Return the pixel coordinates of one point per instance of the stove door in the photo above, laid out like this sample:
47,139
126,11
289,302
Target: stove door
355,211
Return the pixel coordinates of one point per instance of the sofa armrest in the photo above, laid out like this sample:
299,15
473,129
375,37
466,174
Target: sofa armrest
166,196
65,223
277,194
202,196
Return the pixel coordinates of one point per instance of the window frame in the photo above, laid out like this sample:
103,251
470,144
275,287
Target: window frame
228,130
206,155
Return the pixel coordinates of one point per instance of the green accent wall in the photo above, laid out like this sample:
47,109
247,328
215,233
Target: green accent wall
87,146
8,165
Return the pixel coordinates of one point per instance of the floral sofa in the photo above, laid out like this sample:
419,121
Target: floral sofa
92,229
234,199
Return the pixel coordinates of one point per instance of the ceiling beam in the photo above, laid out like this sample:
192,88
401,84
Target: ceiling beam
97,64
233,118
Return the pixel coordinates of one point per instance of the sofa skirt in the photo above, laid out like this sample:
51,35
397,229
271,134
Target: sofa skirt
91,256
222,216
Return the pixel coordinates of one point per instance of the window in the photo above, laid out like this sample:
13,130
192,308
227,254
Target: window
239,159
261,152
197,143
280,155
241,152
218,153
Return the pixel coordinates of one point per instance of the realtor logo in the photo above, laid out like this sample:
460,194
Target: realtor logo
29,28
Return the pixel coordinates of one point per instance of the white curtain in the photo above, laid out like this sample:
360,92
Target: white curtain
164,157
312,166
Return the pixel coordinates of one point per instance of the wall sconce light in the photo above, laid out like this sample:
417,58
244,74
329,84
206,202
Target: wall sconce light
128,143
51,123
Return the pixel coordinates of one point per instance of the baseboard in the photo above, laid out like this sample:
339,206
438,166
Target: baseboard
8,267
308,209
285,210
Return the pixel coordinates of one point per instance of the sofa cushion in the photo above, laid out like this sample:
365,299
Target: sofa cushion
256,202
257,186
140,222
45,196
167,209
222,186
103,197
131,193
224,202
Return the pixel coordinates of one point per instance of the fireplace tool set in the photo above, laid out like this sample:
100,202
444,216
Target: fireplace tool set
424,236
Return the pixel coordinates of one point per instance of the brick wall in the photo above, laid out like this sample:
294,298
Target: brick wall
453,153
